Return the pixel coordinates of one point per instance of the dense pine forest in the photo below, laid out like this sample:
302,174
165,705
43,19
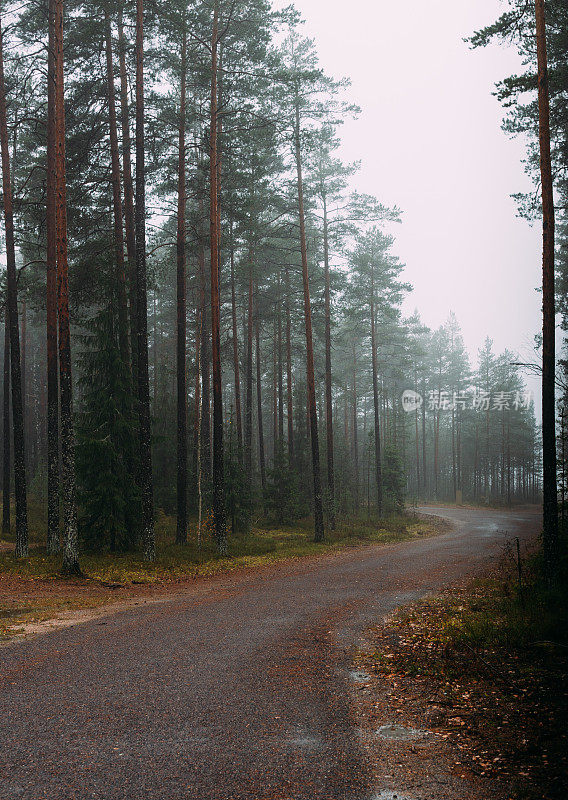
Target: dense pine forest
202,318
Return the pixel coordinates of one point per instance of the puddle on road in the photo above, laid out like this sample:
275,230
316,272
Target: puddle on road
399,733
305,740
359,676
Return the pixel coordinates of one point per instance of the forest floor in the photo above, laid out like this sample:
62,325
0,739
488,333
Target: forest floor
475,682
34,597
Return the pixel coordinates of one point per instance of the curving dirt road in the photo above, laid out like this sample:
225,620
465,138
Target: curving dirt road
236,691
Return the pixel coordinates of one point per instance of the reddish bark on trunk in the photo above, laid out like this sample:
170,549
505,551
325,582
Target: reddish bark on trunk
218,466
146,481
70,545
550,498
6,430
312,411
116,198
181,531
51,306
12,302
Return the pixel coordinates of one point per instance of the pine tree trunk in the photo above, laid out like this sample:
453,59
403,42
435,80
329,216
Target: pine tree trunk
53,544
236,368
146,480
198,430
181,530
218,466
6,430
355,432
116,198
289,398
318,508
378,469
454,458
205,463
12,302
550,497
274,392
248,407
280,375
70,536
259,413
328,393
128,195
197,396
424,472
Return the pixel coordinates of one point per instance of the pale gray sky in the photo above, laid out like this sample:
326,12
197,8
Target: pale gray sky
430,141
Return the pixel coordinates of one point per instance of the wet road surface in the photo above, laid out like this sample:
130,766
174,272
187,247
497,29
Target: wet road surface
237,690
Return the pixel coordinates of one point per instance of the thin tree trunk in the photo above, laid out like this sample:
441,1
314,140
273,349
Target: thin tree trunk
550,498
53,544
205,359
199,460
6,430
454,459
424,473
181,530
116,198
236,349
318,508
248,407
378,470
146,480
355,432
218,467
280,374
129,222
71,544
24,352
328,394
289,398
12,302
259,413
197,401
274,392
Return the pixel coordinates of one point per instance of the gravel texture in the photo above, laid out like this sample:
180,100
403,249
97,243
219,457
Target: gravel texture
239,692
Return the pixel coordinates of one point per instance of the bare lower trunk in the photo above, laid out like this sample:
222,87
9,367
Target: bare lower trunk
236,351
198,428
181,530
355,432
259,413
197,397
549,488
6,430
248,407
128,195
378,469
53,544
289,399
218,467
116,199
146,481
70,541
310,378
328,394
12,302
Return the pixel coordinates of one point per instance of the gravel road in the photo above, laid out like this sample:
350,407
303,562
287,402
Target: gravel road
239,689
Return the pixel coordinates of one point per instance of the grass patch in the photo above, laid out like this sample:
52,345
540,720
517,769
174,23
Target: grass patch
262,545
34,589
